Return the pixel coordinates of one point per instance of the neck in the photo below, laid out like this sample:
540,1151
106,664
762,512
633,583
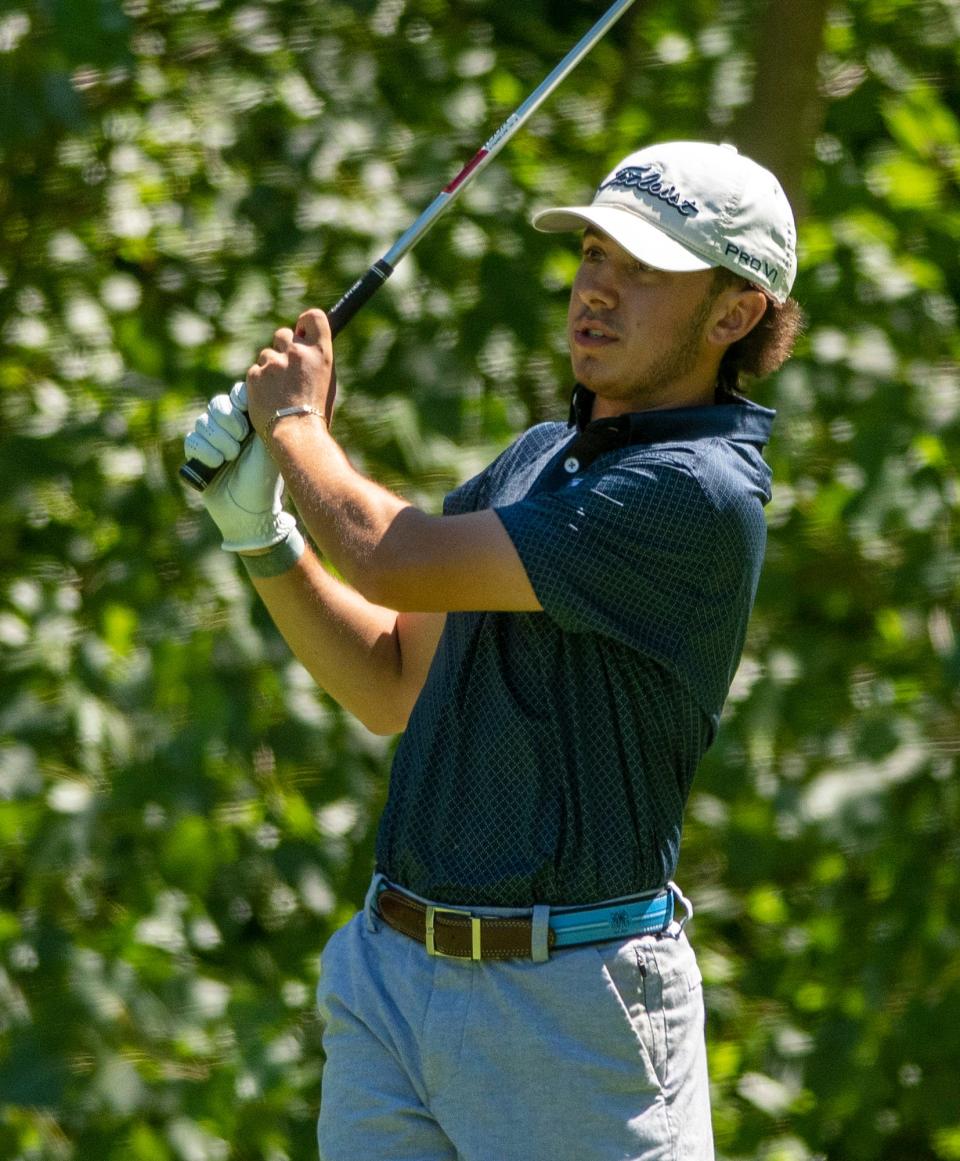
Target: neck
605,406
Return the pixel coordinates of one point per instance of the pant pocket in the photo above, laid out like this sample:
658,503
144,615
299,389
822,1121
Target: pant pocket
638,993
674,997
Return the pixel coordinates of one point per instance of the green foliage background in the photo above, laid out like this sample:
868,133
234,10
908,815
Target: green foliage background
183,818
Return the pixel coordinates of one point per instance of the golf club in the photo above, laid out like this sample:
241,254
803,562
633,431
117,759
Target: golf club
197,474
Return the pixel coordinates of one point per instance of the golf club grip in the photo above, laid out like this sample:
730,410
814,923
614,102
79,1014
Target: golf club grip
199,475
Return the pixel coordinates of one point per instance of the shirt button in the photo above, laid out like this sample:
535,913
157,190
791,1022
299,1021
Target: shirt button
571,465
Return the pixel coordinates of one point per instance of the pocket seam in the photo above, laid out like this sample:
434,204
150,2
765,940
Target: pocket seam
645,1048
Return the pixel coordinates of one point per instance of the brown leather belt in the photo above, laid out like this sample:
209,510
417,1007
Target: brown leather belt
450,932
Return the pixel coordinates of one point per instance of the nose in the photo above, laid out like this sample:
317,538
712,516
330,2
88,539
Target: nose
594,287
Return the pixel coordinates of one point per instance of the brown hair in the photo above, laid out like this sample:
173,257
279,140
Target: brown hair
766,348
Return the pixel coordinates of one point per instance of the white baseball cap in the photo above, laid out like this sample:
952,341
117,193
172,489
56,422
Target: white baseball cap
691,205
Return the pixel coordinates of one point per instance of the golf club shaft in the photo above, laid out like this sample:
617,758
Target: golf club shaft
198,475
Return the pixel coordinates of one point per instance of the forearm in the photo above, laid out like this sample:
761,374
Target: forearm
393,554
365,531
352,648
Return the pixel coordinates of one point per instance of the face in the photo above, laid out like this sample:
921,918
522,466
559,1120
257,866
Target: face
639,336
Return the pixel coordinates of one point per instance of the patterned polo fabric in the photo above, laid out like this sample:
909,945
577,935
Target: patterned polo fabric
550,755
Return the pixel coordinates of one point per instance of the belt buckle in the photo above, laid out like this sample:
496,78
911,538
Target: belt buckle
433,911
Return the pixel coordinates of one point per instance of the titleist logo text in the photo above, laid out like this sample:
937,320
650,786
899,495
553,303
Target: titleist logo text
649,179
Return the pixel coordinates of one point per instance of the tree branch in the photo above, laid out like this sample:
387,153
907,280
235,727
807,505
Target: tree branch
781,122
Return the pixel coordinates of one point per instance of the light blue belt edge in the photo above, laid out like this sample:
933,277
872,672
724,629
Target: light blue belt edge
616,921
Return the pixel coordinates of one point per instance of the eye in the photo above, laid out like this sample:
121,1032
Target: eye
592,254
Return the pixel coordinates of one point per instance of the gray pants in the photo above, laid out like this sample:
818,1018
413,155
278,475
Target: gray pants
596,1055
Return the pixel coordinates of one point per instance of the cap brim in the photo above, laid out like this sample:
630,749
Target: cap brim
635,234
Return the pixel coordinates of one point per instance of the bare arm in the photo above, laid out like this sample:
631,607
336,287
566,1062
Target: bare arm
368,642
390,551
371,660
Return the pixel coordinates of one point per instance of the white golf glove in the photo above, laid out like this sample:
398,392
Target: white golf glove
246,498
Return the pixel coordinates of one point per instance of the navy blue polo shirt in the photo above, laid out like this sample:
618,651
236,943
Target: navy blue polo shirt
550,755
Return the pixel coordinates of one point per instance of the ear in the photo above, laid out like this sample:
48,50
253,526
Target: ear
737,313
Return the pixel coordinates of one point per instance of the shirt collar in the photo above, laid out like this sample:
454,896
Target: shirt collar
736,419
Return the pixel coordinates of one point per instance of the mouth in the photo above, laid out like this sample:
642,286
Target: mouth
592,335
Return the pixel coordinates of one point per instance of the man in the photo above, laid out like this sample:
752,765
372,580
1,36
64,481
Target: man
557,647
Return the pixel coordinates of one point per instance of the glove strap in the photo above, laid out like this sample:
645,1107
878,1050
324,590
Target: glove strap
280,559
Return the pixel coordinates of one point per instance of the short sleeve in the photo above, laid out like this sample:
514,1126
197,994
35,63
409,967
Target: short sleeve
508,476
470,496
625,552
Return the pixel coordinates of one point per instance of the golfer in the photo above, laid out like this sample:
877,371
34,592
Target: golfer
556,649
